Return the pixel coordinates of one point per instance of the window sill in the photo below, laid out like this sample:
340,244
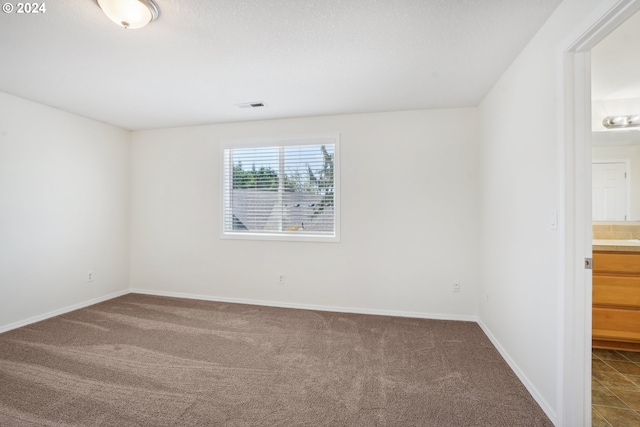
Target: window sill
294,237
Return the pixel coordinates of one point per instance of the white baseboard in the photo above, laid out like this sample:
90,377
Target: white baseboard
58,312
337,309
523,378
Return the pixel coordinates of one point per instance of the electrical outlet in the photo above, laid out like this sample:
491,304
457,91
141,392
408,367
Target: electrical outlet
281,279
456,287
90,276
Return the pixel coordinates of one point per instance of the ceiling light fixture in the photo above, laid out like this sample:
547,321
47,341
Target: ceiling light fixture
130,14
618,122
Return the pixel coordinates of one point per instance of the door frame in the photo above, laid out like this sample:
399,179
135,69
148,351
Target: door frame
574,199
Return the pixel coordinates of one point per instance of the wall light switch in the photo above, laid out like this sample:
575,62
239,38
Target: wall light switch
553,223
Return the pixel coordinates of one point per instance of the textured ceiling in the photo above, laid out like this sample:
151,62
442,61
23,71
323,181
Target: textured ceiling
300,57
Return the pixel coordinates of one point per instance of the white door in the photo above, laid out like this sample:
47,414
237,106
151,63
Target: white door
609,191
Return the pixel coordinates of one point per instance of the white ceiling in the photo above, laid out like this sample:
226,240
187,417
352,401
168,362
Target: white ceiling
615,82
300,57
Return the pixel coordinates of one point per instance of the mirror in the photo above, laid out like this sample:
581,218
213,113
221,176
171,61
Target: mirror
615,90
616,177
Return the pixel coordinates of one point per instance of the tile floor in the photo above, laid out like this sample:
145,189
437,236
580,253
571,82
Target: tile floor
615,388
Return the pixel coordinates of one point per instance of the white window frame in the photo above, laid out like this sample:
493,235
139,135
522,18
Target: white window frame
281,142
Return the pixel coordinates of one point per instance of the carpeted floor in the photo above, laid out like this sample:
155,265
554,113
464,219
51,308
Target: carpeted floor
141,360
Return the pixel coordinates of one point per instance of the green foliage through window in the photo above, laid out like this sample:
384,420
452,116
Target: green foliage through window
263,179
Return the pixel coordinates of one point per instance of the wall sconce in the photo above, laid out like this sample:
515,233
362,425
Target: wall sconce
130,14
619,122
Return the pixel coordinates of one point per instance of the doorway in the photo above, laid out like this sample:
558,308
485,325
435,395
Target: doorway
575,238
615,90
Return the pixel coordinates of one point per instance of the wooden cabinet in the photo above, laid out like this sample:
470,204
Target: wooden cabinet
616,300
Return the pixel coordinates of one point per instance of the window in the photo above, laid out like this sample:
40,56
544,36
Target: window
281,190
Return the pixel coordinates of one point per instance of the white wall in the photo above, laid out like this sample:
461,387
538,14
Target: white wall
63,209
519,189
630,153
409,225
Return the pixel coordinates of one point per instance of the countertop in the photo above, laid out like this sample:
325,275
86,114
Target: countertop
616,245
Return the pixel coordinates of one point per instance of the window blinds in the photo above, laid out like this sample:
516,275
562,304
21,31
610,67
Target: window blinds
280,190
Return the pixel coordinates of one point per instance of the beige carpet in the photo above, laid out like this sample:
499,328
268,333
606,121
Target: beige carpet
142,360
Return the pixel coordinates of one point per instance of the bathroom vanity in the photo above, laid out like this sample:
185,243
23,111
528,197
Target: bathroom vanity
616,294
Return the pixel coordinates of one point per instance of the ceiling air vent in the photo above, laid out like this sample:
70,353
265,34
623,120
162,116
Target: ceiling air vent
251,105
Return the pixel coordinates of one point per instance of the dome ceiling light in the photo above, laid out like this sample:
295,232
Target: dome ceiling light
130,14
